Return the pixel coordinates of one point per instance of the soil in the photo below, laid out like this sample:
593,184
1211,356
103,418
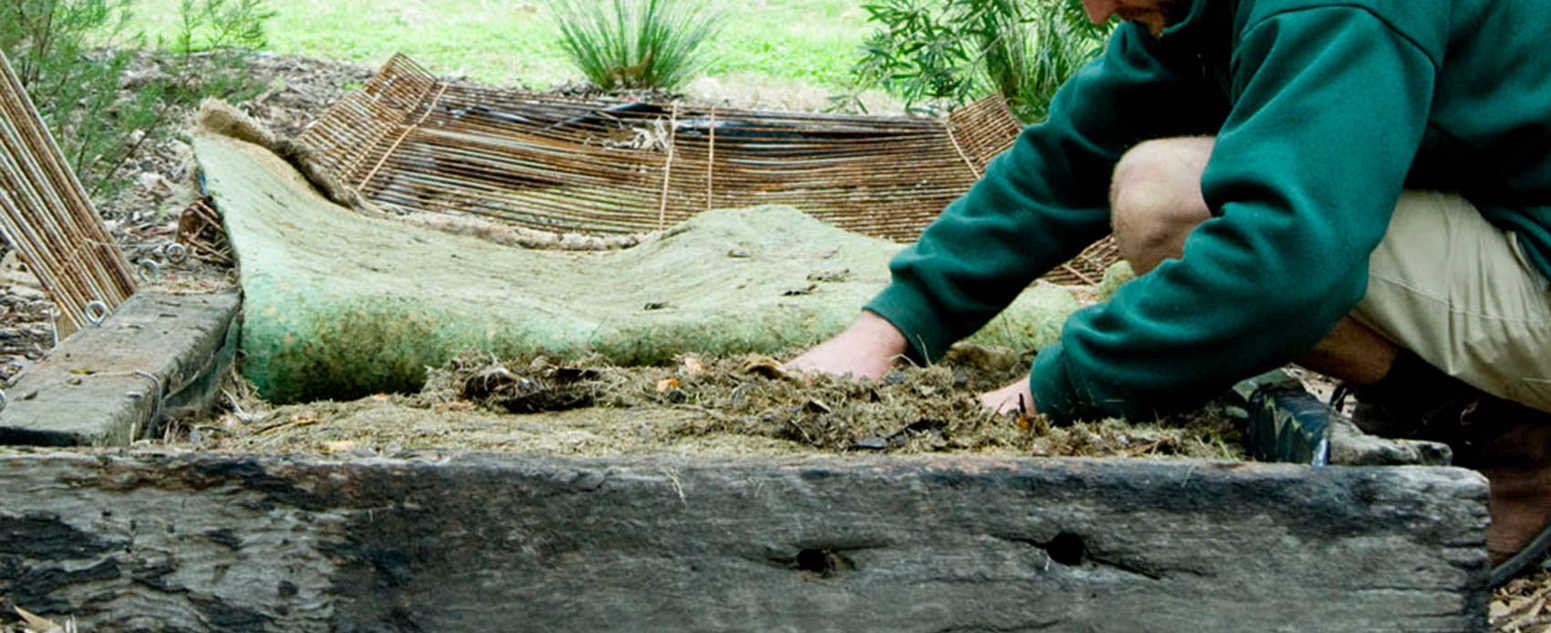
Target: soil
701,406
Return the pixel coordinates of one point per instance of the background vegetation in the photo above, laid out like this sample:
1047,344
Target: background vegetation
75,55
513,42
74,59
954,49
950,51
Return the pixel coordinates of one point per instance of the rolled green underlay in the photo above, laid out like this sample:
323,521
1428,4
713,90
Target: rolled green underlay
340,305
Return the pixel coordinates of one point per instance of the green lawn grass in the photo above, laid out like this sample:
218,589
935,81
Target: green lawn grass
513,42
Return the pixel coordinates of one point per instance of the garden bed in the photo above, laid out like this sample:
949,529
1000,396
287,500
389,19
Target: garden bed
712,491
724,493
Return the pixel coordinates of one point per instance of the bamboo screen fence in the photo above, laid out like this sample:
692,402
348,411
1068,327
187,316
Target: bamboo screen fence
410,142
46,216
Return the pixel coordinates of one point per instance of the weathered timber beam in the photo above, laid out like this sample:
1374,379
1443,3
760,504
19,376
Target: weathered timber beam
483,543
106,385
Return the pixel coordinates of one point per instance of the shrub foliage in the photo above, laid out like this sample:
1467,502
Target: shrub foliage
932,51
74,59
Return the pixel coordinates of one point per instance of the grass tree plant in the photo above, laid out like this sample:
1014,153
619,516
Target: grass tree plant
632,44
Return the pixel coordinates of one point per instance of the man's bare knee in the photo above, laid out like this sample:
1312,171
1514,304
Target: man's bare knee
1155,198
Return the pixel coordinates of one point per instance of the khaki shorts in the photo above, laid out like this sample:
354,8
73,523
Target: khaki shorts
1459,292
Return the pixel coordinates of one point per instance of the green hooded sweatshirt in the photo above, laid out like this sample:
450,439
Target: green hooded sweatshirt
1323,112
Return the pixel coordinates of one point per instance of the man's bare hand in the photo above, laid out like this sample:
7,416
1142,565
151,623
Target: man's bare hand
1014,398
866,350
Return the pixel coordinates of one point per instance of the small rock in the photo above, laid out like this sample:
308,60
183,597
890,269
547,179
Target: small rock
960,377
154,184
739,253
871,444
737,394
135,80
28,293
830,276
178,147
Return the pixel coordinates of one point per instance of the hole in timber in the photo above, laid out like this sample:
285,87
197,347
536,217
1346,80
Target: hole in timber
823,562
1066,548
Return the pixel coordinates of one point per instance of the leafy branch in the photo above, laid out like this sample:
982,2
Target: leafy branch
927,51
73,57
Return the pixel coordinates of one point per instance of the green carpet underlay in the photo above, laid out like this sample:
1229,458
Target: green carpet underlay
340,305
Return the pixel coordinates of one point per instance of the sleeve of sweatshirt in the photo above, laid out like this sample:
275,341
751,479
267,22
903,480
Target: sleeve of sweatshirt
1330,107
1044,199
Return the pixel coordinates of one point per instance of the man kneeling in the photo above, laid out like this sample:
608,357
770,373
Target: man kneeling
1287,208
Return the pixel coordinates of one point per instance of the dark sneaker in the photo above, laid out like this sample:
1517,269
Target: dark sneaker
1285,423
1416,401
1440,414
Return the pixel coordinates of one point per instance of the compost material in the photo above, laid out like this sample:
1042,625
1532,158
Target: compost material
739,405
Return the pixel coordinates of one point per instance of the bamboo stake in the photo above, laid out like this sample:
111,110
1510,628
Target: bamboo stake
667,168
710,165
